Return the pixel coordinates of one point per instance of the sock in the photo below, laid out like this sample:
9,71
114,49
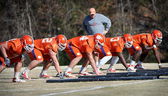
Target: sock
139,63
97,63
113,61
69,69
44,72
103,61
26,71
132,62
16,75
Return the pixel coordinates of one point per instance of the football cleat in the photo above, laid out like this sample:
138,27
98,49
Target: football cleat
18,80
25,76
69,75
111,70
85,74
44,76
139,67
98,70
131,68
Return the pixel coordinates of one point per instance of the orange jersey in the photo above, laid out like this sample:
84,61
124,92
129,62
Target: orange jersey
83,43
103,51
14,50
42,47
45,44
115,44
79,46
141,40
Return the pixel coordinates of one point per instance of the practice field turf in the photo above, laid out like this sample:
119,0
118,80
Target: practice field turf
39,87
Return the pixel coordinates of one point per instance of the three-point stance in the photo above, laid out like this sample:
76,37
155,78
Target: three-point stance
11,52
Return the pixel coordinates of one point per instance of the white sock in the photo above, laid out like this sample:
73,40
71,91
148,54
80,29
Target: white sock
44,72
139,63
16,75
26,70
69,69
114,61
97,63
103,61
132,62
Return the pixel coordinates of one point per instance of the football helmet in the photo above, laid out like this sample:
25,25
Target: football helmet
61,41
157,36
99,39
128,40
28,43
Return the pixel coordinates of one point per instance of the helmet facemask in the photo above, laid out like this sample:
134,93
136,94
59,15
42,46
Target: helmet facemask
61,46
157,37
128,40
158,41
98,44
62,42
28,47
128,44
99,40
28,43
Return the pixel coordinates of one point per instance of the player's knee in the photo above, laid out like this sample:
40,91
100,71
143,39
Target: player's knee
79,57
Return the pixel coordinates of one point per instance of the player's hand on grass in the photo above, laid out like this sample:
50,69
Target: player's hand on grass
60,75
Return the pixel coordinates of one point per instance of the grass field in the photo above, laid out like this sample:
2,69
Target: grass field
39,87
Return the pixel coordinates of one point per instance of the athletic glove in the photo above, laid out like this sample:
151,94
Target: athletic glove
7,62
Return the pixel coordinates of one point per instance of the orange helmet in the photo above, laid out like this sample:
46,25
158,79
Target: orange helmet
99,39
157,36
61,41
28,43
128,40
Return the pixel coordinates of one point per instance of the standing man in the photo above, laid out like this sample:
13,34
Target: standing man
96,23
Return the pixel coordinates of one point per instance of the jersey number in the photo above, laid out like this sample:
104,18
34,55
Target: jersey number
83,38
114,39
46,40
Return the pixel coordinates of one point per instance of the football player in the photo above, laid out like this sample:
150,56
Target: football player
101,54
45,51
83,47
116,46
11,52
143,43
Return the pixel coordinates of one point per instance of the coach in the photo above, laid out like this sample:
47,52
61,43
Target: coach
96,23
